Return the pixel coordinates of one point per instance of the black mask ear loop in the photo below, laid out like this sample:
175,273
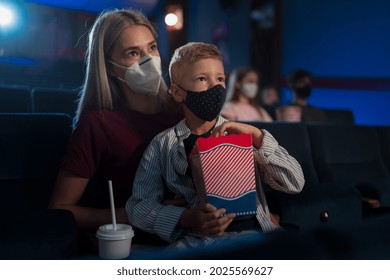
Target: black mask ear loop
182,88
179,86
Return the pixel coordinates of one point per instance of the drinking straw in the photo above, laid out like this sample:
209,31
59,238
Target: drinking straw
112,204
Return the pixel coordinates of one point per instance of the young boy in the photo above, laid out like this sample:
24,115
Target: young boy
198,82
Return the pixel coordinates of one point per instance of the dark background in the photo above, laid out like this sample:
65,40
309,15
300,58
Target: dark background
344,43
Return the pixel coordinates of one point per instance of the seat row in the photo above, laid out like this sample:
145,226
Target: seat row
346,170
23,99
31,150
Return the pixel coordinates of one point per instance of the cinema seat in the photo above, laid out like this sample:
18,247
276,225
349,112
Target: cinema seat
339,116
319,204
32,147
15,99
351,156
38,235
54,100
384,140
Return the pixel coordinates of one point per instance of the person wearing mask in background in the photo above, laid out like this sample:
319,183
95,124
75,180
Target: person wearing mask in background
243,97
270,99
123,105
300,83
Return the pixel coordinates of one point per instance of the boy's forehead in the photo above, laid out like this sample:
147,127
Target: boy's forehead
186,70
204,65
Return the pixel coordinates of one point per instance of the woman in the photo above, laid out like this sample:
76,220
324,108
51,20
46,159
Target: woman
243,91
123,105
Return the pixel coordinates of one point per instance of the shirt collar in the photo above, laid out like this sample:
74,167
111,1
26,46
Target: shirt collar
182,131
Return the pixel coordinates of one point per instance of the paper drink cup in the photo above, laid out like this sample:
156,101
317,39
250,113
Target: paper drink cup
114,244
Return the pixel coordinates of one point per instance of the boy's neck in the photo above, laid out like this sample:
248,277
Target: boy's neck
198,126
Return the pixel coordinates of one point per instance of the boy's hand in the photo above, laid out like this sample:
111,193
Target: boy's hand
236,128
207,219
210,221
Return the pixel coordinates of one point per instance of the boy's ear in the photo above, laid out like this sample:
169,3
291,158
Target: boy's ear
177,93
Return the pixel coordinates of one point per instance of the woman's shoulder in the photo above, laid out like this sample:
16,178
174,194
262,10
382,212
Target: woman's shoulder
92,115
164,140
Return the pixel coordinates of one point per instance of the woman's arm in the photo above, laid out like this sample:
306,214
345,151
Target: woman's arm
67,193
145,208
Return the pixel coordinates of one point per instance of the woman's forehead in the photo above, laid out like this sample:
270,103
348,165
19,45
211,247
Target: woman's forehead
134,36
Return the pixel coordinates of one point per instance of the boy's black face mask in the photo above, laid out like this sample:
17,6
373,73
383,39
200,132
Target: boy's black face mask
206,105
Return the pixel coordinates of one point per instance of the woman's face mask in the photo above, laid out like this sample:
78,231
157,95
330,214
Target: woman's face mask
206,105
144,76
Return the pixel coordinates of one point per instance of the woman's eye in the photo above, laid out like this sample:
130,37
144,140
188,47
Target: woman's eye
132,54
153,48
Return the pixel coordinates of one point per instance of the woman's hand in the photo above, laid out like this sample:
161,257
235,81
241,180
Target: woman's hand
236,128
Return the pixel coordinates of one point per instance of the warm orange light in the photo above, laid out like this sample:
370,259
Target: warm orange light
171,19
174,17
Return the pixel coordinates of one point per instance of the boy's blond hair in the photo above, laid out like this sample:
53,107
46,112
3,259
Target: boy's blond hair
189,54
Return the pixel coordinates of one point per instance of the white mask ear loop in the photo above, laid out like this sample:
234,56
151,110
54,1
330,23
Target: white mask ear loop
116,64
120,66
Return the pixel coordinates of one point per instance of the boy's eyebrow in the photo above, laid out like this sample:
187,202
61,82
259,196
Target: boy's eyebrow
206,73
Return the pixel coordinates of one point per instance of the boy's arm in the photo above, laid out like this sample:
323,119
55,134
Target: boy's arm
277,168
144,208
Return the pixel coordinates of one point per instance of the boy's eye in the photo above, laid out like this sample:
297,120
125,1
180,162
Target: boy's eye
202,79
221,79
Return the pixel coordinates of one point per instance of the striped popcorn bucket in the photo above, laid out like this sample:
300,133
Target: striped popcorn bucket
223,172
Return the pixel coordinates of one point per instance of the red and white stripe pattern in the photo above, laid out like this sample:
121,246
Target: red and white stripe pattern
228,170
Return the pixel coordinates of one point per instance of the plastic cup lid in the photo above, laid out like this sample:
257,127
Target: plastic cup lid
122,231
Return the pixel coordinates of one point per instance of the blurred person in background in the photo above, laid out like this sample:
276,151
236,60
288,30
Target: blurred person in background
243,97
299,82
270,99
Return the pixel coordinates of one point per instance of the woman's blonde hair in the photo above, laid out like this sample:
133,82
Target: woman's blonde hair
100,91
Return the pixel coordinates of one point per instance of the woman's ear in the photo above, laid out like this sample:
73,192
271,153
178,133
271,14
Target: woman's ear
177,94
109,70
